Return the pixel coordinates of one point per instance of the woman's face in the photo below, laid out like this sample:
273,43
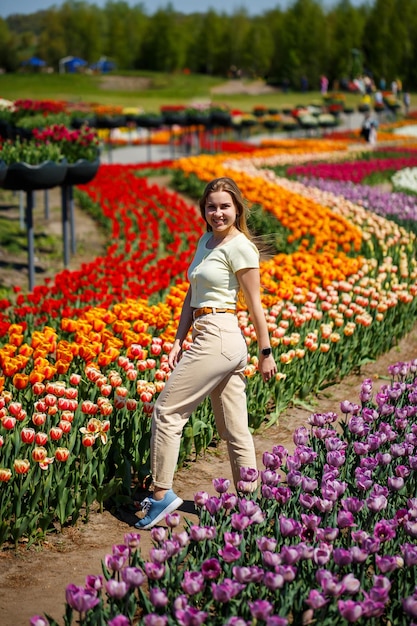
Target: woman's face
220,212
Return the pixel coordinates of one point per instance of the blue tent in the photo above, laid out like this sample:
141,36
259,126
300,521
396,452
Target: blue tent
103,65
71,64
34,62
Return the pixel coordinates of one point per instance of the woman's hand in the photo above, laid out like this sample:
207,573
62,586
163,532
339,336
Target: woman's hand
175,354
267,367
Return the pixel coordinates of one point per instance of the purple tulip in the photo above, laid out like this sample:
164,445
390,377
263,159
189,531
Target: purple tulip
192,583
294,478
158,597
94,582
290,555
351,584
240,522
173,520
260,609
345,519
350,610
276,620
409,552
270,477
342,557
116,589
158,555
283,495
300,436
213,505
273,581
190,616
309,484
322,554
153,619
307,501
200,498
236,621
271,461
380,590
376,503
244,575
316,599
38,620
233,539
115,562
119,620
384,530
81,599
133,576
229,501
211,569
359,555
387,563
352,504
221,485
226,590
395,483
132,540
199,533
154,571
271,559
249,474
289,527
158,534
371,608
266,543
410,605
229,553
327,535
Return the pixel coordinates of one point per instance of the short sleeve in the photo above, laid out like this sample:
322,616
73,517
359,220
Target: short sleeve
243,255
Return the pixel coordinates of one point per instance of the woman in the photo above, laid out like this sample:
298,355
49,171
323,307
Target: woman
226,262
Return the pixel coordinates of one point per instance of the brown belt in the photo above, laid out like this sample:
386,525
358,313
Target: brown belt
206,310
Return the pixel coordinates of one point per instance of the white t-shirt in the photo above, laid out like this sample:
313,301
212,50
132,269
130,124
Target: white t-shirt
212,273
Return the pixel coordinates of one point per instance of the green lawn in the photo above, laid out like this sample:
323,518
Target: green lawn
162,89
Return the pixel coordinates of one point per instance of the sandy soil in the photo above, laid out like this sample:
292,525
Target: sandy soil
33,580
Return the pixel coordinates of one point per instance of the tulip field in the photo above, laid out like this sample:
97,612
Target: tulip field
329,536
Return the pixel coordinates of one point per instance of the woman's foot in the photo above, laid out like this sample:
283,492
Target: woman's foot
154,510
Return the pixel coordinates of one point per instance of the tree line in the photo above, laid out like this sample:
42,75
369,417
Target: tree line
292,46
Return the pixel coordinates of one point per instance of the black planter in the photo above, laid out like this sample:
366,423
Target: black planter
25,177
174,118
149,121
3,171
220,118
81,172
109,121
79,122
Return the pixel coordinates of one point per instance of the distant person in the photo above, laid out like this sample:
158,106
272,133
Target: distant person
407,102
324,84
368,130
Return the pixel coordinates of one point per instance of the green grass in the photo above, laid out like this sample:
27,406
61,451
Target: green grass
162,89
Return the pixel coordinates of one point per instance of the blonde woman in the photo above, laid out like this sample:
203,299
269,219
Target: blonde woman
226,263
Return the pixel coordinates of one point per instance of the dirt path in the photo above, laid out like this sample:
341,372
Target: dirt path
33,580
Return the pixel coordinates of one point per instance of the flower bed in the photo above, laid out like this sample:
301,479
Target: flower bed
329,536
84,356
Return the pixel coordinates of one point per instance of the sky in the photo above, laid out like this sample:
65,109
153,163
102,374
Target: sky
253,7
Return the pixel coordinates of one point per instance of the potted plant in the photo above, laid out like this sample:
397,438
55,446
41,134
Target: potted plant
32,165
79,148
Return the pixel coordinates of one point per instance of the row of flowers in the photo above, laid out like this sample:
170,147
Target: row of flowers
328,536
344,290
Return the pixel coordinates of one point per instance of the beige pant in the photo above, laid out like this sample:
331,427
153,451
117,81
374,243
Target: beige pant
213,366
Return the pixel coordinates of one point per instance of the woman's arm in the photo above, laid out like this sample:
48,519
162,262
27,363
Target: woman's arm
250,283
182,331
